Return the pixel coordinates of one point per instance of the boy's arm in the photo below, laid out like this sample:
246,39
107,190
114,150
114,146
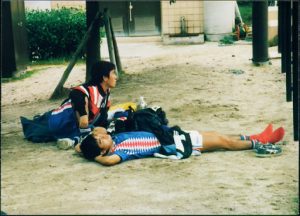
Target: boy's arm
84,119
80,105
108,160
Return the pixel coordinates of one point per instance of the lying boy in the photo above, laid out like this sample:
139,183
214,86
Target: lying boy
110,150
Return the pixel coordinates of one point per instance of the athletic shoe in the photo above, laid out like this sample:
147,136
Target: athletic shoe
267,150
277,135
264,136
173,157
196,152
65,143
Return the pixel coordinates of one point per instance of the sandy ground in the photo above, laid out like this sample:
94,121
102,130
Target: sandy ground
204,87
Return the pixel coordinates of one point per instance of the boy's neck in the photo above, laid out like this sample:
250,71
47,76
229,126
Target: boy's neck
104,87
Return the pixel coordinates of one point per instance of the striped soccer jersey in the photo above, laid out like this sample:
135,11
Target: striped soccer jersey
133,145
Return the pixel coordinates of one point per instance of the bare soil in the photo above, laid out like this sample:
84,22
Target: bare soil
202,87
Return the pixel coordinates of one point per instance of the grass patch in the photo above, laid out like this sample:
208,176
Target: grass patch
20,77
35,68
226,40
296,207
56,61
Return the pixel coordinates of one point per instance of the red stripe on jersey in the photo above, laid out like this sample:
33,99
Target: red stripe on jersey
62,108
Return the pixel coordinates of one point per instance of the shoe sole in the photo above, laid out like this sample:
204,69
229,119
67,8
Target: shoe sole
268,155
63,144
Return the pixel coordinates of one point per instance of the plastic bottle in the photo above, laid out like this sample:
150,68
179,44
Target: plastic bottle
142,103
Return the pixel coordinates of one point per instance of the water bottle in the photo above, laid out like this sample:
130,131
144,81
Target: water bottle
142,103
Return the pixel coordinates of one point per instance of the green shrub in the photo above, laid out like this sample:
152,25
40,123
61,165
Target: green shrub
227,40
54,33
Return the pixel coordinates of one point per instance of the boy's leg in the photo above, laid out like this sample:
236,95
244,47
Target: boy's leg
234,136
267,136
215,140
261,137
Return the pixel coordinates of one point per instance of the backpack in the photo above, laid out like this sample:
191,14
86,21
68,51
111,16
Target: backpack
37,130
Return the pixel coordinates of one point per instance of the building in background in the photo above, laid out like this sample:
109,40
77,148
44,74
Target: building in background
272,22
154,18
193,19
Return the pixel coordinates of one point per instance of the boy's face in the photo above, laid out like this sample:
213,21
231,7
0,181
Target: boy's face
111,81
104,141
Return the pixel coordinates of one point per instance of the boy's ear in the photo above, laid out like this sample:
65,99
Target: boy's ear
105,78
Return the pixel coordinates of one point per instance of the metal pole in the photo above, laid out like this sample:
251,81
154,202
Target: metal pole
288,52
279,26
260,32
283,36
296,78
93,43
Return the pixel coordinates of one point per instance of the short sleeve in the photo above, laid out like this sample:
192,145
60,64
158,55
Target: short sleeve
78,100
122,155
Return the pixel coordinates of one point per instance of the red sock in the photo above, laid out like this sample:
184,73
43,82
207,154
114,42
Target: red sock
264,136
277,135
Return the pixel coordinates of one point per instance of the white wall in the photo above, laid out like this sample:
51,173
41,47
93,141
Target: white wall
218,19
38,5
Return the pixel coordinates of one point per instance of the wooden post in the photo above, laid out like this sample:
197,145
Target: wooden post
109,39
93,43
118,60
59,88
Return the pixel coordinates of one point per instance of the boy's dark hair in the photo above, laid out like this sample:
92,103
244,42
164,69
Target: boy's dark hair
100,69
89,147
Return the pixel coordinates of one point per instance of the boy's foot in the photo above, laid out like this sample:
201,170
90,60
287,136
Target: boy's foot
263,136
267,150
65,143
277,135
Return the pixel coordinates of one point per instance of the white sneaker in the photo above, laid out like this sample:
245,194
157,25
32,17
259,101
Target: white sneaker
173,157
196,153
65,143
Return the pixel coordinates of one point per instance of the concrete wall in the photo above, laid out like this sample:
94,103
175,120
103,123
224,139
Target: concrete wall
74,4
171,15
47,4
272,22
37,5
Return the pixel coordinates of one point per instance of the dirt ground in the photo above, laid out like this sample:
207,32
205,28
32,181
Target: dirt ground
203,87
